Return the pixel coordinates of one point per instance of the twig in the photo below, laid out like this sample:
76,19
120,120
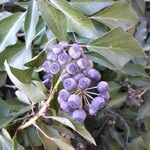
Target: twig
11,86
142,93
92,93
42,131
47,103
88,95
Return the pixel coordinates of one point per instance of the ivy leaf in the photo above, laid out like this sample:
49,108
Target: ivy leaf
53,136
144,111
31,91
16,145
102,61
137,144
5,114
4,14
64,121
77,21
140,82
117,101
134,70
22,97
114,16
3,78
54,18
8,29
31,21
139,6
4,1
113,46
37,60
9,53
80,129
90,7
5,140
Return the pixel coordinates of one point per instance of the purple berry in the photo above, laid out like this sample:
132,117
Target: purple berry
63,58
70,84
74,101
64,44
72,68
52,56
65,107
82,63
54,68
80,146
90,64
94,74
47,79
60,100
57,49
47,76
46,66
78,76
65,76
86,108
92,111
85,72
75,51
97,103
64,94
79,115
102,86
84,83
105,95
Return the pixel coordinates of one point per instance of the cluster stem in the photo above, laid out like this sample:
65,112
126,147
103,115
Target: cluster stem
47,103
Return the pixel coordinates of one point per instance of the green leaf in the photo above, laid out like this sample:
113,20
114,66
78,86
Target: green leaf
64,121
54,18
32,92
20,59
144,111
116,136
77,21
134,70
8,29
37,61
146,138
48,143
3,1
3,78
139,6
31,21
117,101
16,145
90,7
10,52
53,140
4,14
33,137
113,46
137,144
140,82
5,141
22,97
102,61
5,114
80,129
62,145
114,16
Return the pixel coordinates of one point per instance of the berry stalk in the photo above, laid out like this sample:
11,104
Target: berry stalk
51,96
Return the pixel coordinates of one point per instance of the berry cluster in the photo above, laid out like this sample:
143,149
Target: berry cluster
84,92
